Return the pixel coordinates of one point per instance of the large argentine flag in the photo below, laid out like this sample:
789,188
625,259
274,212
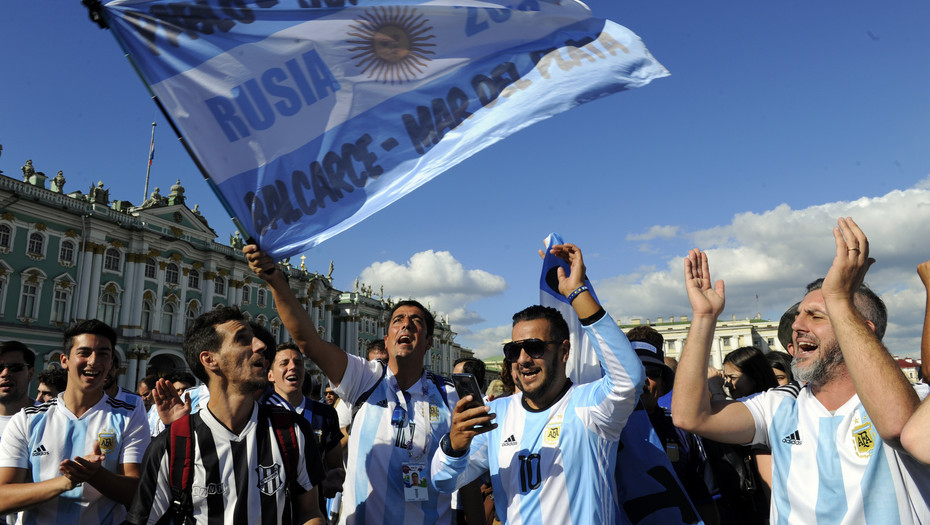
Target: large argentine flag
311,115
649,491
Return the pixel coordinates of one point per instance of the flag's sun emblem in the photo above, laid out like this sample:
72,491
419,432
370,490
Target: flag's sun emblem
391,43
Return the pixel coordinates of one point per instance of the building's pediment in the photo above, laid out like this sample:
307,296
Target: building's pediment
177,216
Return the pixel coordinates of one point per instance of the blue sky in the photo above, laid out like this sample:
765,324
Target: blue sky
777,118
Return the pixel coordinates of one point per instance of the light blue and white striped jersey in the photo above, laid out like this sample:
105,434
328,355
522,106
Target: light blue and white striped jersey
128,396
39,438
373,492
199,397
834,468
556,465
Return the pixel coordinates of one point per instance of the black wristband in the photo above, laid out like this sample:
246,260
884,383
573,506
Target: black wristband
446,445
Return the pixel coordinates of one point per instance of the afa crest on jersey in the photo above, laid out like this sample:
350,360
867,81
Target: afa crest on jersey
551,434
433,413
107,440
864,439
269,479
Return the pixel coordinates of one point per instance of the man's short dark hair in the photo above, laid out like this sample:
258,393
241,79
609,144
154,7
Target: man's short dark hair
202,335
475,367
869,305
15,346
149,381
54,377
90,326
558,328
182,377
427,316
650,335
287,346
377,344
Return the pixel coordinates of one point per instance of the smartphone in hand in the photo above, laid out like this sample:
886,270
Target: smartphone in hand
466,384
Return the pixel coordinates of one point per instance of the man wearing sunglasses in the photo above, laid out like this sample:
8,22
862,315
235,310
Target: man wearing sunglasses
552,451
402,409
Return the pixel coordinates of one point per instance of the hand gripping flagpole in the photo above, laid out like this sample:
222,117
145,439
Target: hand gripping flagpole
98,15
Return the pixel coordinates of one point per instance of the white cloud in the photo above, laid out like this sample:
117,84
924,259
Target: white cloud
437,280
767,258
655,232
487,342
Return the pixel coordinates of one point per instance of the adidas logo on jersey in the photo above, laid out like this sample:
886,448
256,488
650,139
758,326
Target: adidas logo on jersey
510,442
40,451
792,439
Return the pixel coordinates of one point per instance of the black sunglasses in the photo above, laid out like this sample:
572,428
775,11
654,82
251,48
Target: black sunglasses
535,348
13,367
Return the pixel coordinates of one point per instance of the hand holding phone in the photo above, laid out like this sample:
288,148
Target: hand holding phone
466,384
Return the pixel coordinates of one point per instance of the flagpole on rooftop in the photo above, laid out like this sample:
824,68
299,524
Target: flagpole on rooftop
148,169
98,16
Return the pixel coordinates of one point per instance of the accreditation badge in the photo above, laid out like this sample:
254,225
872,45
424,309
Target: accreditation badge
415,481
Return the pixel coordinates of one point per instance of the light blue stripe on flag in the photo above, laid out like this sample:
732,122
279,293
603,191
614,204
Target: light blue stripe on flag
310,119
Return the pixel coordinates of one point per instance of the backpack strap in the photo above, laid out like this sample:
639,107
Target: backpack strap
181,468
283,423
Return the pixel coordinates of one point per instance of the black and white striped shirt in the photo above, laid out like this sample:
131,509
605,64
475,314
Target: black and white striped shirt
236,478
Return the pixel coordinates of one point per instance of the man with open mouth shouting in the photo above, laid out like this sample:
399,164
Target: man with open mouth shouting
401,409
836,450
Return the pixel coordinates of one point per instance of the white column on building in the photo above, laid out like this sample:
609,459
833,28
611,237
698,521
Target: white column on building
230,291
144,353
129,297
328,322
208,287
159,297
96,271
132,368
138,284
83,291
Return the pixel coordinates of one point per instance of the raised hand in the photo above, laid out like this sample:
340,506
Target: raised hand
572,255
259,261
923,270
168,403
850,263
705,300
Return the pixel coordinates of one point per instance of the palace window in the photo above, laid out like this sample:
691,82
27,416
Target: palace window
147,315
60,306
193,279
36,244
219,285
29,303
167,319
171,273
111,259
6,236
66,252
151,267
106,312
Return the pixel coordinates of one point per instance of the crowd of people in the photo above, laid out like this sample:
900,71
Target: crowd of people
831,432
